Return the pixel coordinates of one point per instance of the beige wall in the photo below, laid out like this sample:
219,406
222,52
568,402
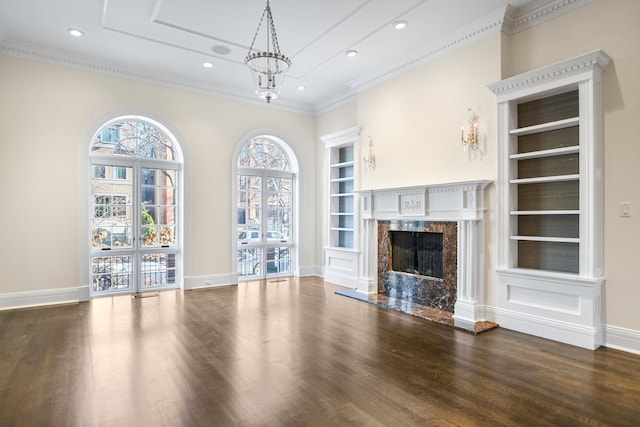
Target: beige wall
613,27
44,112
414,121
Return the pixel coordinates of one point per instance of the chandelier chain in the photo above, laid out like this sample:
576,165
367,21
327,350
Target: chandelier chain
274,38
257,30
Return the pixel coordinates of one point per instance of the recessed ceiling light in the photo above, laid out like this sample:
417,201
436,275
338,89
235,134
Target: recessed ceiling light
75,32
207,65
351,52
301,87
221,50
400,25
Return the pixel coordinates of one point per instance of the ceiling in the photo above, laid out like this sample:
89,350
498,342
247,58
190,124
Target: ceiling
169,40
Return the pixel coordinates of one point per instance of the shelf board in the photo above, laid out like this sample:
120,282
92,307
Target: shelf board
341,229
343,179
343,164
342,194
540,179
547,239
545,127
546,153
342,213
558,212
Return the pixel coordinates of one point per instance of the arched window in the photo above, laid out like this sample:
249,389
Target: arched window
264,154
134,229
265,197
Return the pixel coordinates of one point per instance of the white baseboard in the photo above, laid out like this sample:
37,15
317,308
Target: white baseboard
210,281
568,333
345,280
622,339
45,297
309,270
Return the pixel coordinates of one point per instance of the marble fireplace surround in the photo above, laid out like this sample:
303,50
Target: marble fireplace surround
459,202
438,291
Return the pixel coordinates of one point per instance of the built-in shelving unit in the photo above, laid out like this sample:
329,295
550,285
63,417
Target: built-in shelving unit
341,264
342,197
550,197
544,173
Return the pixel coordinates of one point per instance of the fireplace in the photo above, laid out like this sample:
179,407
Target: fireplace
455,210
417,262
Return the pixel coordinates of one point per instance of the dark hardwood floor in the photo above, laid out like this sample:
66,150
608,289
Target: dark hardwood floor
293,353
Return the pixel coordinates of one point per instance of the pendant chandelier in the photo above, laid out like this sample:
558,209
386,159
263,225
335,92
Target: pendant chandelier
267,67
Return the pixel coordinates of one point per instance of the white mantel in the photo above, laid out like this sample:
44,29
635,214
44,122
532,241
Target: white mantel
461,202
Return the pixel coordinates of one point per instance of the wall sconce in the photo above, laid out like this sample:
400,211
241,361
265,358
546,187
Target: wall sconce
471,140
370,158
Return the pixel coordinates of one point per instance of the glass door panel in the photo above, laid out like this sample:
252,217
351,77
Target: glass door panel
158,270
249,208
158,207
133,264
110,274
263,241
111,221
278,260
278,209
249,262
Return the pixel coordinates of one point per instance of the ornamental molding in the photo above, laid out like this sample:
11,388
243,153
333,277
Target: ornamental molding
441,202
570,71
452,187
345,136
489,24
535,13
57,57
508,20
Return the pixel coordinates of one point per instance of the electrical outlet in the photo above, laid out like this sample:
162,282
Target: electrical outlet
625,209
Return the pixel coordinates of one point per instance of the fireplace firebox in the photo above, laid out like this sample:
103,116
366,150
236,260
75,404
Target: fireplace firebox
416,253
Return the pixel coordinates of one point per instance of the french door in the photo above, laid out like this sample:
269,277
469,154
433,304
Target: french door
264,202
133,227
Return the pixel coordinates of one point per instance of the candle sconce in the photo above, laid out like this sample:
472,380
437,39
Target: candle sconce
370,158
471,140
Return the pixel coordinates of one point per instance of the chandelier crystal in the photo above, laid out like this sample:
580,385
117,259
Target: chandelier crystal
268,67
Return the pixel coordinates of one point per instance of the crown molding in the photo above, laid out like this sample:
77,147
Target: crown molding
569,71
508,20
537,12
57,57
489,24
336,101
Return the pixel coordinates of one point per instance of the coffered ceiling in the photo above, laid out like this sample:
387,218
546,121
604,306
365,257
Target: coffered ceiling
167,41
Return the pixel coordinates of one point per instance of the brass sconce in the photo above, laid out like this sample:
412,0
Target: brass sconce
471,140
370,158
